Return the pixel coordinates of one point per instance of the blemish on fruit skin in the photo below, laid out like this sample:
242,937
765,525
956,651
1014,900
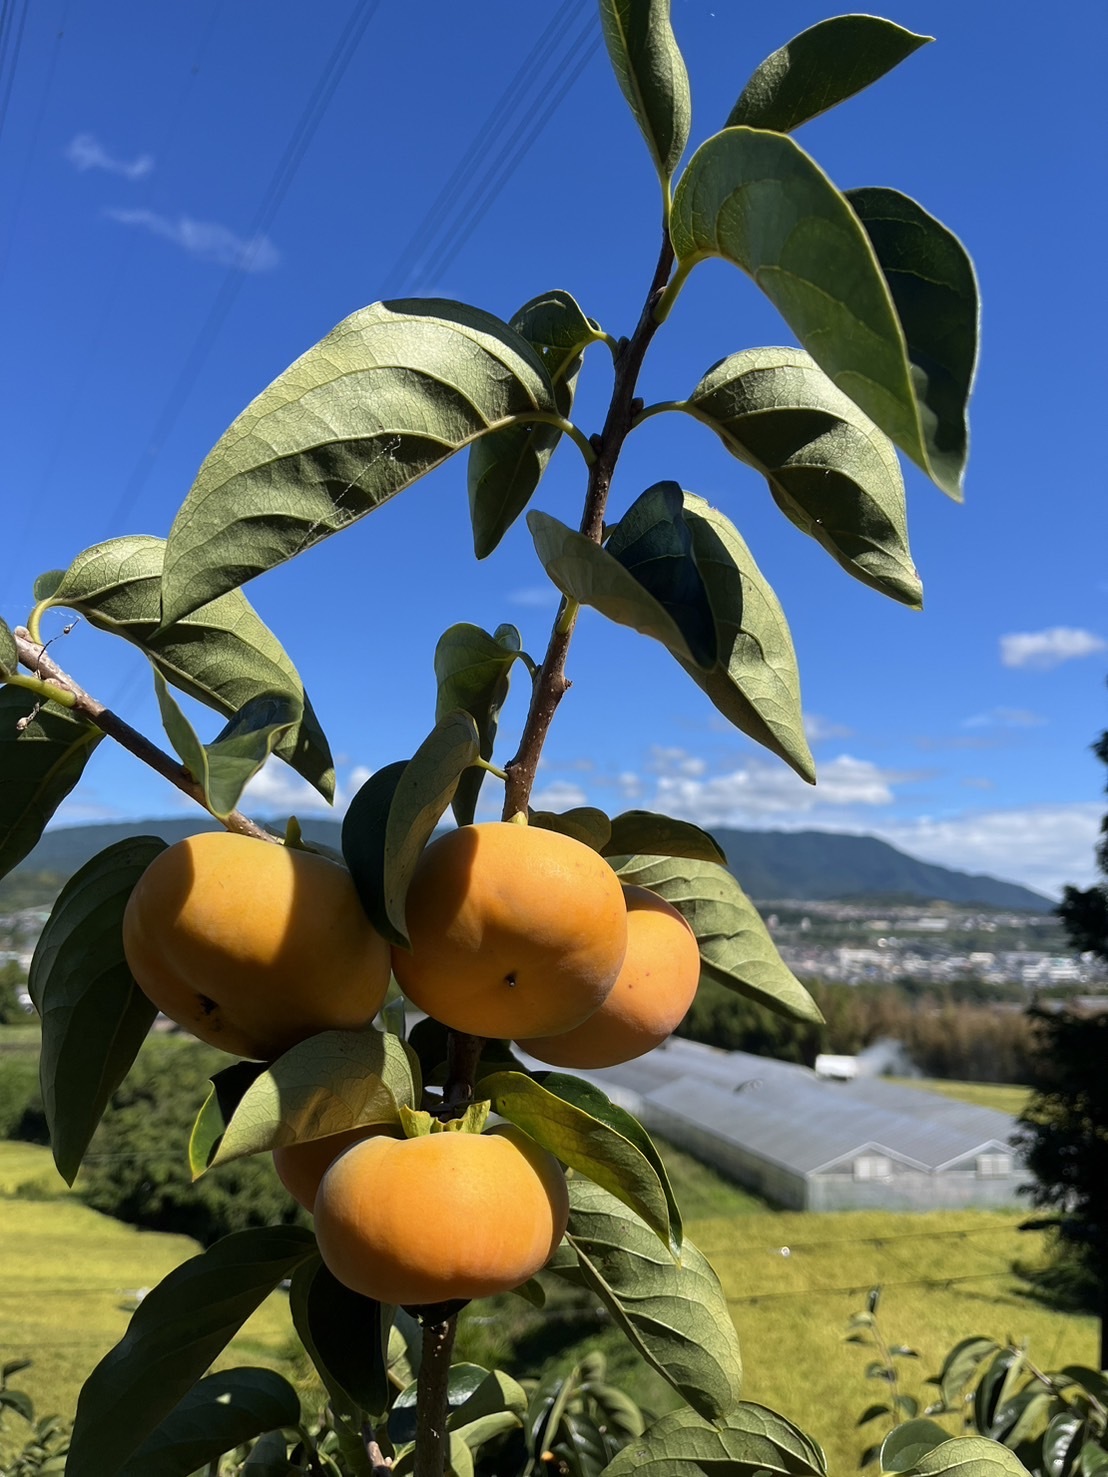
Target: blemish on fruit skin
206,1005
510,981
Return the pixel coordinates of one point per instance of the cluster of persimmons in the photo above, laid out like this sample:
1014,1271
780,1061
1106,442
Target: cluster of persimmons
516,933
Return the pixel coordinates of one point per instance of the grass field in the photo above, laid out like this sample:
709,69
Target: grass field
70,1280
1005,1097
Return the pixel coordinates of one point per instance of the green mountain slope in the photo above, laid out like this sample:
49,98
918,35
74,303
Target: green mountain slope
775,865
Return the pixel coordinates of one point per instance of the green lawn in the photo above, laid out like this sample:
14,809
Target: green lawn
1005,1097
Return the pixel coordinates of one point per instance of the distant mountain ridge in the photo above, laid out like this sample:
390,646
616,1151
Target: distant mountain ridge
772,865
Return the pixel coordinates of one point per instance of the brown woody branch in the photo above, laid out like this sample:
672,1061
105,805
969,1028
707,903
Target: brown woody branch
32,655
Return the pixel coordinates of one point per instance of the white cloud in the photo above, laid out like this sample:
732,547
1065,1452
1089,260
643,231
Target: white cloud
675,761
1004,718
1045,649
559,795
206,240
762,790
1042,846
277,790
86,152
534,597
819,729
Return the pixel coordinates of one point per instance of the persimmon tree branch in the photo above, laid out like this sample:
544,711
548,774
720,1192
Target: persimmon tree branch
32,655
432,1437
550,682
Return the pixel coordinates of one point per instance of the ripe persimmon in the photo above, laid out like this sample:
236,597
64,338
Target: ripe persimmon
301,1167
441,1217
253,946
515,931
652,992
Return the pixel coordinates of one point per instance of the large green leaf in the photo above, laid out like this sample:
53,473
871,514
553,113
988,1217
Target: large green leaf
652,77
735,946
644,831
903,1447
363,839
585,823
821,68
332,1082
968,1456
757,200
505,466
472,669
174,1335
748,1442
754,683
390,393
587,573
652,541
345,1334
829,468
219,1413
674,1312
94,1016
934,287
223,654
223,767
578,1130
43,752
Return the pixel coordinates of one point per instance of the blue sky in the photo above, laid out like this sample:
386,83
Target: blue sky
196,193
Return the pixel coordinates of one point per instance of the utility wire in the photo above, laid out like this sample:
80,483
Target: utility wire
528,78
6,30
311,117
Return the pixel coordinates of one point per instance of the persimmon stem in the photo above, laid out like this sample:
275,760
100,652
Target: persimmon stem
550,684
60,686
432,1437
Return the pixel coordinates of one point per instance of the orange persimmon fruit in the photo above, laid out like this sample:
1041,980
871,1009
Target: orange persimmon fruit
515,931
253,946
440,1217
652,992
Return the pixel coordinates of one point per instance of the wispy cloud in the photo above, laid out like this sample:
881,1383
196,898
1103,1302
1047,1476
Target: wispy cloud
206,240
1044,649
534,597
819,729
559,795
86,152
277,790
1004,718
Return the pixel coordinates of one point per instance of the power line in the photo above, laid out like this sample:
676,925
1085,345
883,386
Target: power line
864,1287
310,118
6,29
526,76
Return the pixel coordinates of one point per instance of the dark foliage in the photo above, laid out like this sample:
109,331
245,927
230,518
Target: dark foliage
137,1166
1084,912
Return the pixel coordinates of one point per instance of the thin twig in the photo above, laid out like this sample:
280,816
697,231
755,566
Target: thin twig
32,655
550,684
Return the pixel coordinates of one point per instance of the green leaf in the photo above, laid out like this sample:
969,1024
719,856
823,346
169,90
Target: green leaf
735,946
934,289
969,1456
903,1447
464,1382
94,1016
9,652
223,768
174,1335
41,759
829,468
821,68
222,655
506,466
228,1089
751,1441
674,1312
961,1365
346,1336
390,393
757,200
587,573
498,1404
472,669
576,1129
755,683
363,839
221,1412
652,541
332,1082
394,815
585,823
660,835
651,74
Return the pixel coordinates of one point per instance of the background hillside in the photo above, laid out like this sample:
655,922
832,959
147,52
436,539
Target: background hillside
810,865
